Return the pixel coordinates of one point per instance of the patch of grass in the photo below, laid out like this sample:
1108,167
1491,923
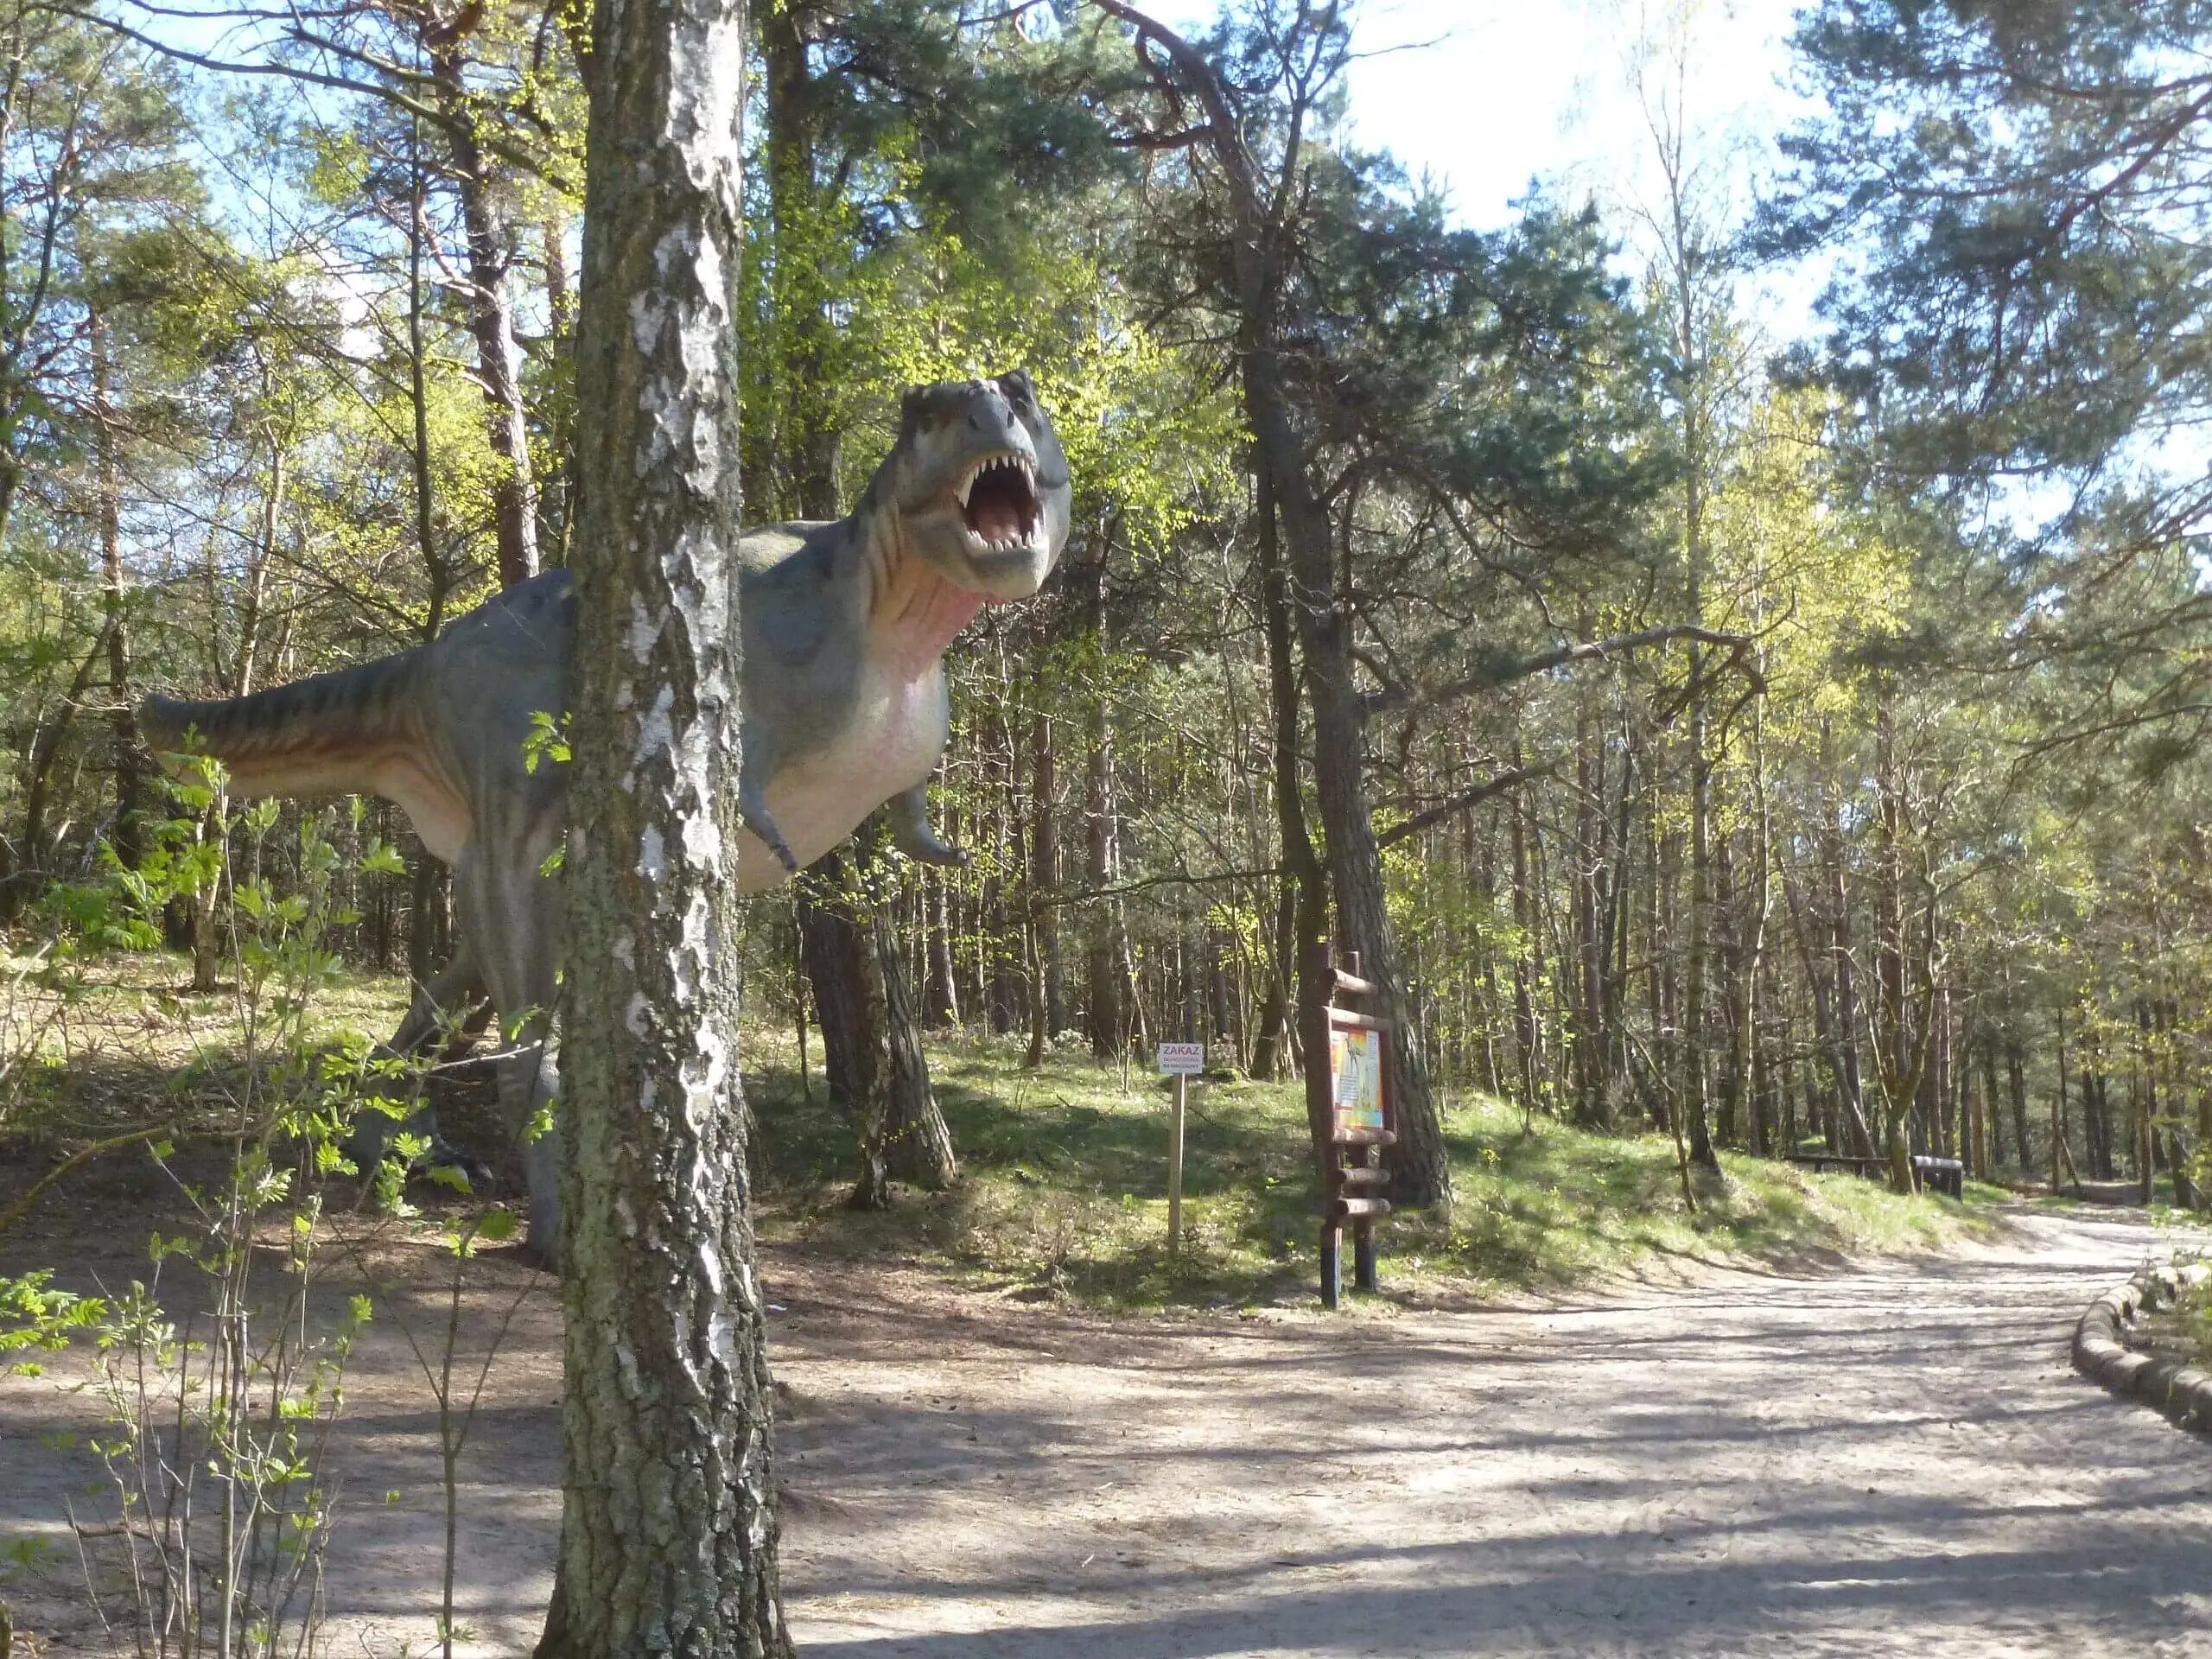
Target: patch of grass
1064,1178
133,1045
1065,1184
1064,1192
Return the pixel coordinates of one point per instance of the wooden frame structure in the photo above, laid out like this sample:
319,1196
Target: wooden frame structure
1361,1122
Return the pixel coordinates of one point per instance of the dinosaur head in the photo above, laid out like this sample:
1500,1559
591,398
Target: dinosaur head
981,484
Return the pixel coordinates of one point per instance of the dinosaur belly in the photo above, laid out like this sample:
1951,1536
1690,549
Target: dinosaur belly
891,743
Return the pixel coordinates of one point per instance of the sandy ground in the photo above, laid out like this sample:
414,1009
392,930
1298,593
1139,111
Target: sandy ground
1892,1459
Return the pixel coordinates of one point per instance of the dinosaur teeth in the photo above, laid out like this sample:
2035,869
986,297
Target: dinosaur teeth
1020,464
999,502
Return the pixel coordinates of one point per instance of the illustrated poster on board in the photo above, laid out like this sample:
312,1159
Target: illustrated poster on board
1355,1063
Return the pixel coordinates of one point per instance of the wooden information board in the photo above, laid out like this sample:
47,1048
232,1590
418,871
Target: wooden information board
1362,1123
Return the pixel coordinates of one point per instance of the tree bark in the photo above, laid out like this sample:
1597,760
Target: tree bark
1306,883
1045,871
425,928
944,974
1850,1082
808,441
1527,1034
912,1142
830,944
669,1526
37,779
1592,1037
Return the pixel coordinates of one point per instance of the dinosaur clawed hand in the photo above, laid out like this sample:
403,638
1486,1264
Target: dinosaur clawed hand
909,815
928,849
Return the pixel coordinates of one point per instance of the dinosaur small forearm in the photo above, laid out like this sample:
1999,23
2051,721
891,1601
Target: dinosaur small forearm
909,812
753,811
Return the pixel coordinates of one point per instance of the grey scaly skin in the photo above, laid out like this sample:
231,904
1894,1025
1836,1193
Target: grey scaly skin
843,703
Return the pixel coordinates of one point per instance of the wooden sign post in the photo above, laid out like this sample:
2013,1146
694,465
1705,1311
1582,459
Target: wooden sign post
1183,1061
1361,1122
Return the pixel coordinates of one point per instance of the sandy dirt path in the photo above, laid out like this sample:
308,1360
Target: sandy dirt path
1892,1459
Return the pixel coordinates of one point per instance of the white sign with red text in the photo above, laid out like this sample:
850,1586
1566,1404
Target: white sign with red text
1188,1058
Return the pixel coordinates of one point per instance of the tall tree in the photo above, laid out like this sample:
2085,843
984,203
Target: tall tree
1259,206
2016,197
1390,366
669,1529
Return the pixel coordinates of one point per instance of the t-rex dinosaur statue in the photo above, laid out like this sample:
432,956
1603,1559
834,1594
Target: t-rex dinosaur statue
843,705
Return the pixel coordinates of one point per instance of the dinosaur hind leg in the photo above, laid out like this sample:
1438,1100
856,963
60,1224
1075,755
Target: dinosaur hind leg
445,1004
507,913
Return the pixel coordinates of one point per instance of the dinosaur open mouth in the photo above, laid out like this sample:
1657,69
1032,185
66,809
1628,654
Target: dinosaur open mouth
999,502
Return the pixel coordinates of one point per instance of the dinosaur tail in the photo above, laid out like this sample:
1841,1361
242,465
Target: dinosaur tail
328,735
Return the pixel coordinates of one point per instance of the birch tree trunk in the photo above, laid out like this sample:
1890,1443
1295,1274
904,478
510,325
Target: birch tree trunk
125,833
669,1529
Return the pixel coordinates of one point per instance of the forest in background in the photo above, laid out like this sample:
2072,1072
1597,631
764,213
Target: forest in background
1778,744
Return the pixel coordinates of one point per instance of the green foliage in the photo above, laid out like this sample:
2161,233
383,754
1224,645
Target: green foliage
34,1315
548,740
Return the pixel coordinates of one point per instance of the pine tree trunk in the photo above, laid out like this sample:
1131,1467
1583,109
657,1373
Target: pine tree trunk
809,442
490,318
1697,1074
557,493
1995,1118
914,1145
944,977
833,949
1592,1037
1527,1035
1420,1170
837,954
669,1526
1105,1016
29,870
871,1042
1306,884
1044,866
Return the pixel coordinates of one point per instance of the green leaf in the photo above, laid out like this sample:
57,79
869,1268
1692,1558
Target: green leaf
450,1175
383,859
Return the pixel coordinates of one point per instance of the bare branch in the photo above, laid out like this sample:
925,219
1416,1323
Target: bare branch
1464,801
1489,679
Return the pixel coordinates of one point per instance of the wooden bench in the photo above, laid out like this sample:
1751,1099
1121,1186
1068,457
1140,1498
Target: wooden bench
1945,1174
